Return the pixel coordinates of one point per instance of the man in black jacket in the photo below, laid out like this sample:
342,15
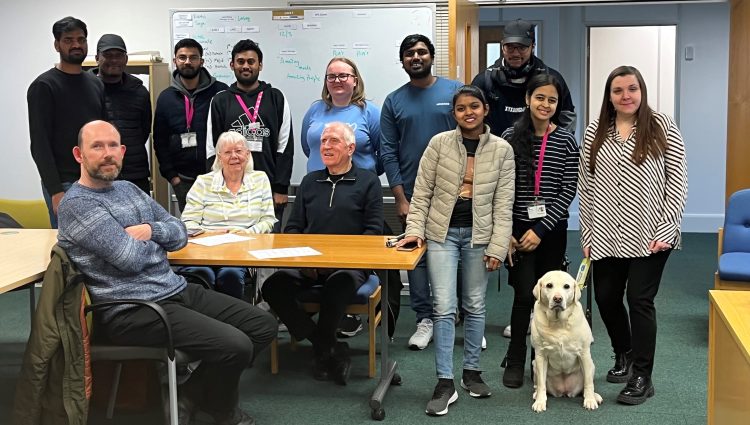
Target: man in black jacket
128,108
180,119
260,113
338,200
504,83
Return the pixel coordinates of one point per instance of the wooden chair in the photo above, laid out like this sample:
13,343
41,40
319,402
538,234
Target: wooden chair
365,302
733,271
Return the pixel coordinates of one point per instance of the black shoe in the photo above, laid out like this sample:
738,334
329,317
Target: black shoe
321,364
351,325
623,368
341,364
514,364
639,388
236,417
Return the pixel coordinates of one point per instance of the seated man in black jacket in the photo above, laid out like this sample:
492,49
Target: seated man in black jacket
340,199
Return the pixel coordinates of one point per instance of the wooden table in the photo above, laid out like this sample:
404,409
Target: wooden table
338,251
728,357
24,256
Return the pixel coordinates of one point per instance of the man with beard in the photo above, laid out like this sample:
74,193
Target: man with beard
128,107
180,119
260,113
411,115
60,101
118,237
504,83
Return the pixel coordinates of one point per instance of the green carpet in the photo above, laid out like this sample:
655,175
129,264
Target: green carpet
293,396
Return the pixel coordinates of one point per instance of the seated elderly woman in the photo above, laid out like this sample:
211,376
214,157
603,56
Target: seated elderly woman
231,198
340,199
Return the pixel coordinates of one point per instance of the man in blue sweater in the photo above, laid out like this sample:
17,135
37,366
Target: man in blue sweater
119,238
411,115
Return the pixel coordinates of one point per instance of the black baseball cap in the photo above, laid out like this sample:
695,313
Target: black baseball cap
110,41
520,32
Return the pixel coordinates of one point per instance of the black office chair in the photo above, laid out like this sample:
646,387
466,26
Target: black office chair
176,360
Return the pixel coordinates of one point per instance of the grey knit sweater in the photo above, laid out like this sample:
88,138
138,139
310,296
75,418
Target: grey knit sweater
92,226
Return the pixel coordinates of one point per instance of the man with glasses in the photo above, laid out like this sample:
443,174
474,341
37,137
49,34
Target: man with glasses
411,115
180,119
504,83
260,113
60,102
128,107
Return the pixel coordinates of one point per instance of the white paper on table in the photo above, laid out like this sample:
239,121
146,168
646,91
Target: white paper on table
220,239
303,251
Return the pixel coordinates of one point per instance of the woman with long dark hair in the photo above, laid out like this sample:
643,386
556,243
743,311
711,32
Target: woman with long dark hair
546,174
632,183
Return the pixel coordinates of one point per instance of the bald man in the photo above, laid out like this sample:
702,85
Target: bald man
119,238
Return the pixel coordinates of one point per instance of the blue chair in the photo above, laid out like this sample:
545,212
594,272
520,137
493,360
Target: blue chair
734,244
365,301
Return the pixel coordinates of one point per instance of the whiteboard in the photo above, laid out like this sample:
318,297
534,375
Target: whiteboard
297,45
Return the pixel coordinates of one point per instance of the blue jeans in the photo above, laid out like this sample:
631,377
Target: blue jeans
227,280
48,201
442,264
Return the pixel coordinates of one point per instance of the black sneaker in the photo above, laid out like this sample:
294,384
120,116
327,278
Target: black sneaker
444,395
472,382
351,325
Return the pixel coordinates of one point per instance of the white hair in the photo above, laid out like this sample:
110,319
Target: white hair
231,138
345,128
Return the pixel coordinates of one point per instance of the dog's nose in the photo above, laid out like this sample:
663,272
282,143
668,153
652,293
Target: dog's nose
557,299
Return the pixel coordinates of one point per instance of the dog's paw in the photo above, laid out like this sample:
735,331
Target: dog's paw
592,403
540,405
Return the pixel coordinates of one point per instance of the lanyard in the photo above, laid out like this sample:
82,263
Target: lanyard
254,116
538,173
189,110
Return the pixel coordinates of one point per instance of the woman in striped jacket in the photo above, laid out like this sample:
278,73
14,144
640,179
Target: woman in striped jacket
546,174
231,198
632,183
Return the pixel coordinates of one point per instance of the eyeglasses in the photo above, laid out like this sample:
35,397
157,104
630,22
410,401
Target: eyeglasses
185,58
331,78
520,48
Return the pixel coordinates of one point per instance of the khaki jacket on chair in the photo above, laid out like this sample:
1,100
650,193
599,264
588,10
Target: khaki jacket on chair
54,386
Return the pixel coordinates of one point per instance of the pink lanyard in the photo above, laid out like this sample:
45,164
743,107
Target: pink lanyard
189,110
254,116
538,174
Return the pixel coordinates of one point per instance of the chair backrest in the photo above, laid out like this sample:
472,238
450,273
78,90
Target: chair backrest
737,223
29,214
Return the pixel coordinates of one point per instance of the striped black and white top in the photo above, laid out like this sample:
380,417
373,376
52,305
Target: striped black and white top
624,206
558,181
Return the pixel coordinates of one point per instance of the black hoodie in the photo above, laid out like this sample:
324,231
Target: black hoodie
275,128
128,107
170,121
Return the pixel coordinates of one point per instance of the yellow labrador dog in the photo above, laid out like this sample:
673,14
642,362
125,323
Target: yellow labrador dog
562,340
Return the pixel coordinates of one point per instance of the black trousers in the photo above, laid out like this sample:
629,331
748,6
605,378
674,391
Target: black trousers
638,280
338,289
528,268
222,331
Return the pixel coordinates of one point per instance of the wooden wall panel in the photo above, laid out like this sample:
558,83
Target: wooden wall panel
738,113
463,40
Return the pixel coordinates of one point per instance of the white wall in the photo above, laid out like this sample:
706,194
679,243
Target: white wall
701,104
144,24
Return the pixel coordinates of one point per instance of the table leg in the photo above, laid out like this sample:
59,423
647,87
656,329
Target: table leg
32,301
387,367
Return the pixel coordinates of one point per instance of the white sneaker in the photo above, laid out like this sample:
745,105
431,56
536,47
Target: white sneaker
506,331
484,343
422,336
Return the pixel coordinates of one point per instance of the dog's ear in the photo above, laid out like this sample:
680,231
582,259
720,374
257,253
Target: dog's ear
577,296
538,290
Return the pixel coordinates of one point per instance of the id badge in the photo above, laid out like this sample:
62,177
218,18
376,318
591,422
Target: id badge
537,209
254,139
189,140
